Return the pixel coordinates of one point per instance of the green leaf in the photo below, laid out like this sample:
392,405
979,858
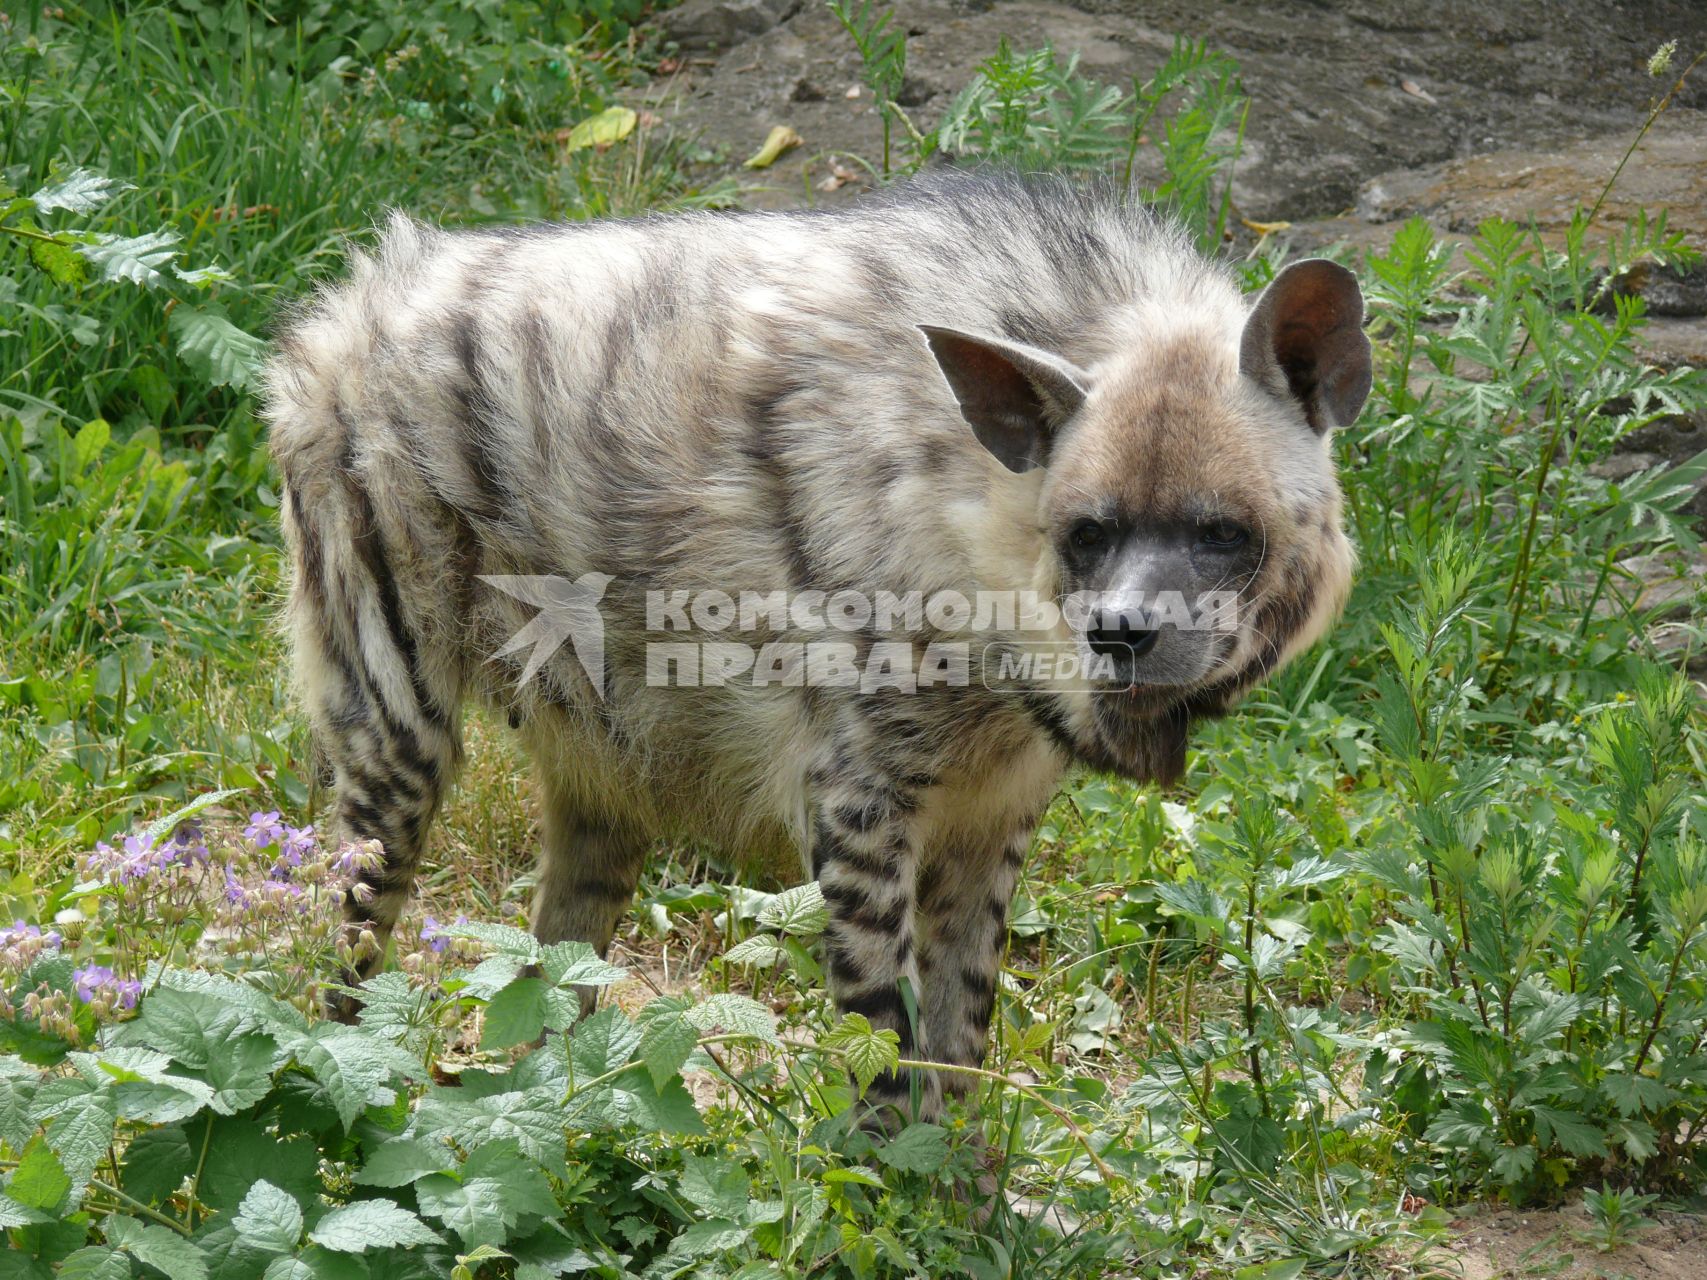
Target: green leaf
269,1219
288,1268
352,1067
666,1040
533,1118
96,1262
215,348
372,1224
1571,1132
398,1163
61,261
13,1214
1280,1269
156,1163
240,1152
475,1208
80,1135
601,1043
517,1014
800,911
1633,1094
760,949
526,1188
720,1187
80,191
16,1126
158,1247
40,1180
577,964
741,1015
137,259
398,1010
867,1052
919,1148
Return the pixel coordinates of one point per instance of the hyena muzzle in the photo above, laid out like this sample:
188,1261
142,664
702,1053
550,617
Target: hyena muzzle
975,389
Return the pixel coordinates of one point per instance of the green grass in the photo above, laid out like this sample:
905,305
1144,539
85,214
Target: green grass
1425,921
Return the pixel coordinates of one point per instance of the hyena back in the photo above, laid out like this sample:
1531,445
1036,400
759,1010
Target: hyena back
975,385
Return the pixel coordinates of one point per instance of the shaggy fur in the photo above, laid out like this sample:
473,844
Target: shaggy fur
748,402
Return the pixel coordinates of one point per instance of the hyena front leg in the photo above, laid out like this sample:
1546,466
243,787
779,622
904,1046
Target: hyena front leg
588,873
864,857
965,889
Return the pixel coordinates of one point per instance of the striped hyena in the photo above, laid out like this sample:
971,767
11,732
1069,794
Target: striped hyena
975,389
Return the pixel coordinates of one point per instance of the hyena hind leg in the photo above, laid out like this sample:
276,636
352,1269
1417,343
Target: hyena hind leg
588,873
964,894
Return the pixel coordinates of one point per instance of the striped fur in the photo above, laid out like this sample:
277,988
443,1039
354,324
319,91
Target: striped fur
746,402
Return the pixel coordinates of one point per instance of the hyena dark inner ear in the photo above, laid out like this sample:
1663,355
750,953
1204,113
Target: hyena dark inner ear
1305,339
1014,397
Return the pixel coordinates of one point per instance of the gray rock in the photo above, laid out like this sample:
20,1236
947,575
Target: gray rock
700,25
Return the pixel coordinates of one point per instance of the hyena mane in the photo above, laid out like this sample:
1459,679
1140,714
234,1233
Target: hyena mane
975,388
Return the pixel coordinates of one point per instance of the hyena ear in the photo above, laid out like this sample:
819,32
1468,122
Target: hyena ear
1305,339
1014,397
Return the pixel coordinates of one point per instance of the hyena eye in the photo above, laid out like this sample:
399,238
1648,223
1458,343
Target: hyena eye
1087,535
1224,535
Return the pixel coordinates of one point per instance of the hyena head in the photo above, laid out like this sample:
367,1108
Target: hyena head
1188,508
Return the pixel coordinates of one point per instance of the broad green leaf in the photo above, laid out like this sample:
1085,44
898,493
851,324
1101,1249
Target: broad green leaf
760,949
95,1262
40,1180
718,1186
156,1246
919,1148
601,1043
607,128
269,1219
526,1188
13,1214
156,1163
80,1135
867,1052
216,349
1280,1269
577,964
61,261
16,1126
398,1163
352,1067
733,1013
517,1014
475,1208
1573,1133
534,1118
800,911
137,259
666,1040
80,191
372,1224
240,1152
705,1238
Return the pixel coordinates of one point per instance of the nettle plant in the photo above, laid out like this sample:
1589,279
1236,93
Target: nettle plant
60,232
170,1100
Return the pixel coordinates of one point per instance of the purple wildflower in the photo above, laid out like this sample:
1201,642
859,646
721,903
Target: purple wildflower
434,935
264,830
89,980
298,844
128,991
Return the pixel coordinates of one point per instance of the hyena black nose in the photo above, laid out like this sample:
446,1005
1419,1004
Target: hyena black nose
1116,636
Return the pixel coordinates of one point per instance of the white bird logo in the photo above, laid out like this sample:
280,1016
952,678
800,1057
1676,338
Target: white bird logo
567,611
